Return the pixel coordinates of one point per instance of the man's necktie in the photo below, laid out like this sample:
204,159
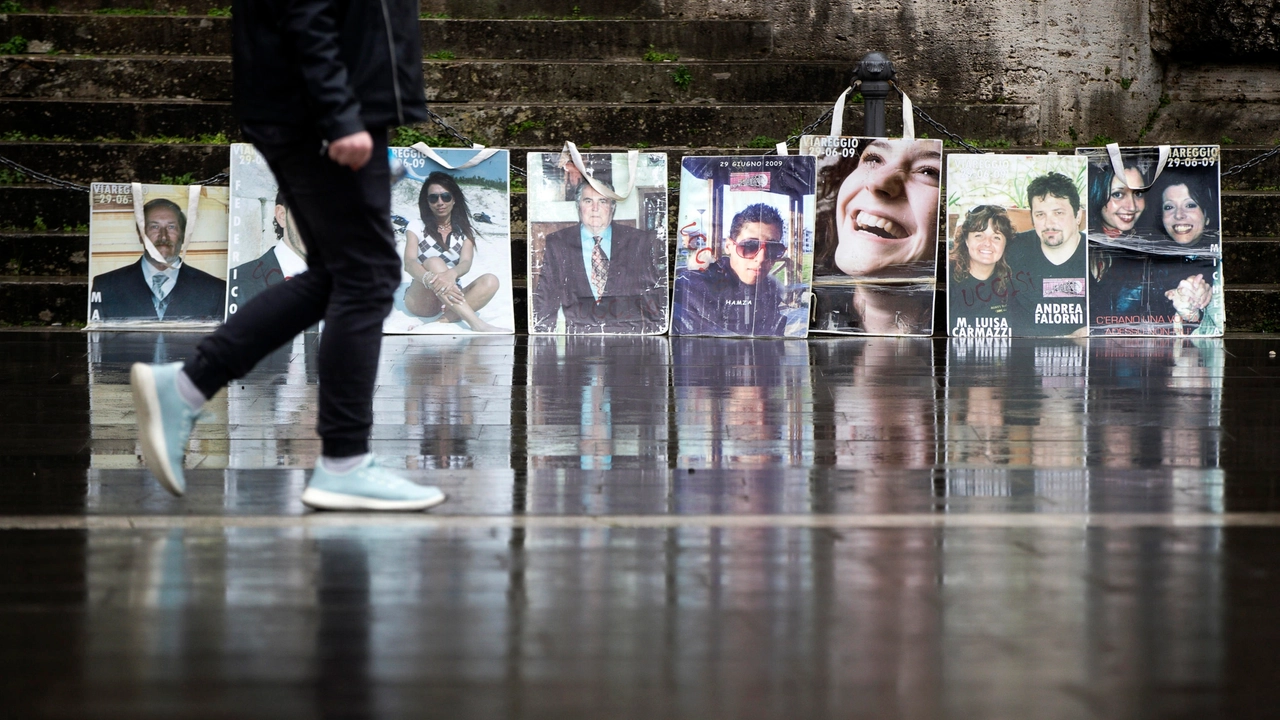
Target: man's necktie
161,303
599,267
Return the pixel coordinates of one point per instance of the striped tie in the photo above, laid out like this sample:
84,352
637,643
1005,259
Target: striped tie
599,267
161,303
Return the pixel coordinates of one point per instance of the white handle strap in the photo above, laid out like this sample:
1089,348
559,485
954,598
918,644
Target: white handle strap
908,116
479,157
139,218
1117,165
193,210
570,152
837,114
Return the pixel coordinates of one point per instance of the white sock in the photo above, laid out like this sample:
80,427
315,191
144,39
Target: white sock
343,464
188,391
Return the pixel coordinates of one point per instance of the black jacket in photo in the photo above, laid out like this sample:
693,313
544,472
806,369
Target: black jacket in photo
634,300
123,294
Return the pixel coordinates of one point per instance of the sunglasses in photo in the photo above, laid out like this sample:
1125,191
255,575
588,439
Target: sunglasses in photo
433,198
748,249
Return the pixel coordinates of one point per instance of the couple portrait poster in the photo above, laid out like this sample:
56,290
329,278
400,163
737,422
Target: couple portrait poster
1016,250
451,217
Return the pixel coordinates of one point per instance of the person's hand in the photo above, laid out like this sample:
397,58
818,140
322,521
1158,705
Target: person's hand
352,151
445,286
1190,297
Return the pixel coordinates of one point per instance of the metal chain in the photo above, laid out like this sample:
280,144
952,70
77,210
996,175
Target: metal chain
807,129
937,125
42,177
463,138
1246,165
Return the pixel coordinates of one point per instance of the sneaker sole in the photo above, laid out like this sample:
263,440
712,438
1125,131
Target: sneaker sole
150,429
325,500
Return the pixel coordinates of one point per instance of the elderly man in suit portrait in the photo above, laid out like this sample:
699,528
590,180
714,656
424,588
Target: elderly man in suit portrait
151,290
288,257
603,275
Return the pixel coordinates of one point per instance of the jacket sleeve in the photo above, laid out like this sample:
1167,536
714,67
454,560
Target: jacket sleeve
312,27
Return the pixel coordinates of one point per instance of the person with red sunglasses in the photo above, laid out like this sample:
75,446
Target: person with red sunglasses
736,295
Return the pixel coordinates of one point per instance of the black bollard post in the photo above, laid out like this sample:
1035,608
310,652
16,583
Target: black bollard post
874,71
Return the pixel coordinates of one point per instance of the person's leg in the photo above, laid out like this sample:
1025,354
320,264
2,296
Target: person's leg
343,217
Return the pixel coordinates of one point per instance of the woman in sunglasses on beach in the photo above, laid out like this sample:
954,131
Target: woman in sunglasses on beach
438,252
737,295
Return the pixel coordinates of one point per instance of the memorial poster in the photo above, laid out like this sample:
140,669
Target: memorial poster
264,247
452,218
157,254
1155,241
1016,250
597,225
876,237
744,262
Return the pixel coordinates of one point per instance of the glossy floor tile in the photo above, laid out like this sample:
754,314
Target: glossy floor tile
654,527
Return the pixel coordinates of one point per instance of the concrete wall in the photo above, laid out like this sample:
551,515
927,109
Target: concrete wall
1076,68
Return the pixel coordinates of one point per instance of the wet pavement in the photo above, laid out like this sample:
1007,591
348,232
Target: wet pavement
654,527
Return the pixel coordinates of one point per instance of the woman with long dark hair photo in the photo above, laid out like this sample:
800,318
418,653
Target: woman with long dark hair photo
438,252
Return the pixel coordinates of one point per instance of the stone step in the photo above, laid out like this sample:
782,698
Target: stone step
41,208
83,163
36,254
1251,260
43,300
691,124
631,81
149,162
515,39
113,7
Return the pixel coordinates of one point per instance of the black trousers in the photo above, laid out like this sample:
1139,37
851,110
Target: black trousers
344,218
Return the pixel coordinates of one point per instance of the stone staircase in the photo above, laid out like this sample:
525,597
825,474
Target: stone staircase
105,94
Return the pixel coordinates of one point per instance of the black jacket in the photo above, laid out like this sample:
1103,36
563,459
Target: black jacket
340,65
122,294
715,302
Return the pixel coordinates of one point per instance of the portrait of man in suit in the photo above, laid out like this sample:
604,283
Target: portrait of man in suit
602,274
151,290
288,257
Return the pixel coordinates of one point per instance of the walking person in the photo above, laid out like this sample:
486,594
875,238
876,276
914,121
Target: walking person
317,84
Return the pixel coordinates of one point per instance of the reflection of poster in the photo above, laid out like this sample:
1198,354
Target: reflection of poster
183,281
745,258
1155,242
727,396
875,245
265,247
453,233
597,264
1016,246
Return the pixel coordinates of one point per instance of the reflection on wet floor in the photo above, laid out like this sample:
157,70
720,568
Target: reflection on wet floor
1014,529
598,424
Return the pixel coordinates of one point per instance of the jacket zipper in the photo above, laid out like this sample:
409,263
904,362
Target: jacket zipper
391,52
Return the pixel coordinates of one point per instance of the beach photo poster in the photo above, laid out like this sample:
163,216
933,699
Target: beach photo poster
452,219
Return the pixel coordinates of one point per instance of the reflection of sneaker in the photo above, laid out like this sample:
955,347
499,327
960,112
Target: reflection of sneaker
164,422
367,487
